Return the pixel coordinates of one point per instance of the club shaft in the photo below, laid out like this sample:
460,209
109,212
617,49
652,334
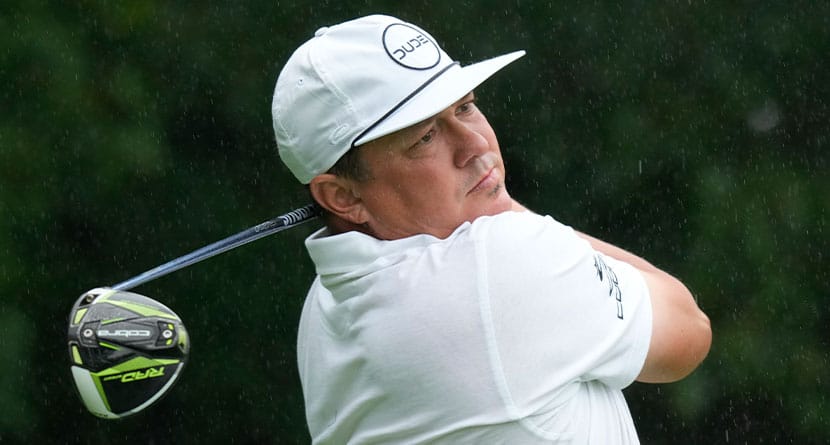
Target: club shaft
278,224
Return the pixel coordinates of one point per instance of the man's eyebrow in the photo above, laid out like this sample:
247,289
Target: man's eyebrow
466,98
428,121
424,123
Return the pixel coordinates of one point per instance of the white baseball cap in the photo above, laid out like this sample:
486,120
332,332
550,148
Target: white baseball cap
357,81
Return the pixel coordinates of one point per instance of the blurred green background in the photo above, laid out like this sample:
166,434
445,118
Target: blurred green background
692,133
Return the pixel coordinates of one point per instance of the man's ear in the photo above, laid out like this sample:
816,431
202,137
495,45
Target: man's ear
338,195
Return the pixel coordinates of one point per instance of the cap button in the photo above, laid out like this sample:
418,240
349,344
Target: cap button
321,31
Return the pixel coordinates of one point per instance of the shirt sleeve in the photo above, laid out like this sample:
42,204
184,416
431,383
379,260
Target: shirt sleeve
558,311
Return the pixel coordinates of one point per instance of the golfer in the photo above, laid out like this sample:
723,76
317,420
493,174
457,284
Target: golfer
443,311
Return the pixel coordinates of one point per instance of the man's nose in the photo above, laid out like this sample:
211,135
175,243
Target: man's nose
467,140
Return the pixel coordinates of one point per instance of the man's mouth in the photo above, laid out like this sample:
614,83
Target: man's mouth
487,182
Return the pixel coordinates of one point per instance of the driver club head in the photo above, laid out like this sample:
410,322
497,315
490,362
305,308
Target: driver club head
126,351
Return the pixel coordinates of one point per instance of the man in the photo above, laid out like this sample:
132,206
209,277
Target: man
443,310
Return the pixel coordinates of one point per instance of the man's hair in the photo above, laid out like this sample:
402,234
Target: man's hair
351,166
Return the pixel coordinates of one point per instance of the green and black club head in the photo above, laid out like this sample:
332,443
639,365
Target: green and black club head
126,351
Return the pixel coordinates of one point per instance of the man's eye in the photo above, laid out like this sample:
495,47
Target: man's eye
425,139
467,107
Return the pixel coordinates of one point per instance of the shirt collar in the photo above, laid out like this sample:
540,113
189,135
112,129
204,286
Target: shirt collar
350,251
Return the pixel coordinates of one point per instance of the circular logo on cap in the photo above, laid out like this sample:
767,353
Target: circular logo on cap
410,47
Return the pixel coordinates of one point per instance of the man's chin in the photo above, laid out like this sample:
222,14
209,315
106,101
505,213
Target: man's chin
500,201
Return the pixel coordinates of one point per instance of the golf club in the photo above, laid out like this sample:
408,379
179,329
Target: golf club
127,350
278,224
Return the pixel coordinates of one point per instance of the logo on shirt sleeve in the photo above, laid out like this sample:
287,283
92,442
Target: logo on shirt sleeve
607,275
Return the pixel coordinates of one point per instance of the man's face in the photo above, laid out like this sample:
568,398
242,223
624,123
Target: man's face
433,176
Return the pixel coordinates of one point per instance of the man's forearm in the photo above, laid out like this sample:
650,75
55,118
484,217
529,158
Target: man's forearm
681,333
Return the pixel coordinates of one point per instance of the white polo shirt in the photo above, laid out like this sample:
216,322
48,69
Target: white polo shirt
512,330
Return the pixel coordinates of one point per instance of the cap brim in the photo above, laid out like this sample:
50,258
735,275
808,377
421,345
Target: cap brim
438,95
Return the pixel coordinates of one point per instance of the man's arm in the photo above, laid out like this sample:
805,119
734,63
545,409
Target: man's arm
681,333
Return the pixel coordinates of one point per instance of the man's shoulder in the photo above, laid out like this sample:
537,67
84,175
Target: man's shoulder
520,223
512,235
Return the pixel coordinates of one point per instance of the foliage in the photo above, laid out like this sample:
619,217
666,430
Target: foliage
692,134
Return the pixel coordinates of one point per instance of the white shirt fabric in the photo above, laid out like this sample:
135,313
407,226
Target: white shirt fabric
512,330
